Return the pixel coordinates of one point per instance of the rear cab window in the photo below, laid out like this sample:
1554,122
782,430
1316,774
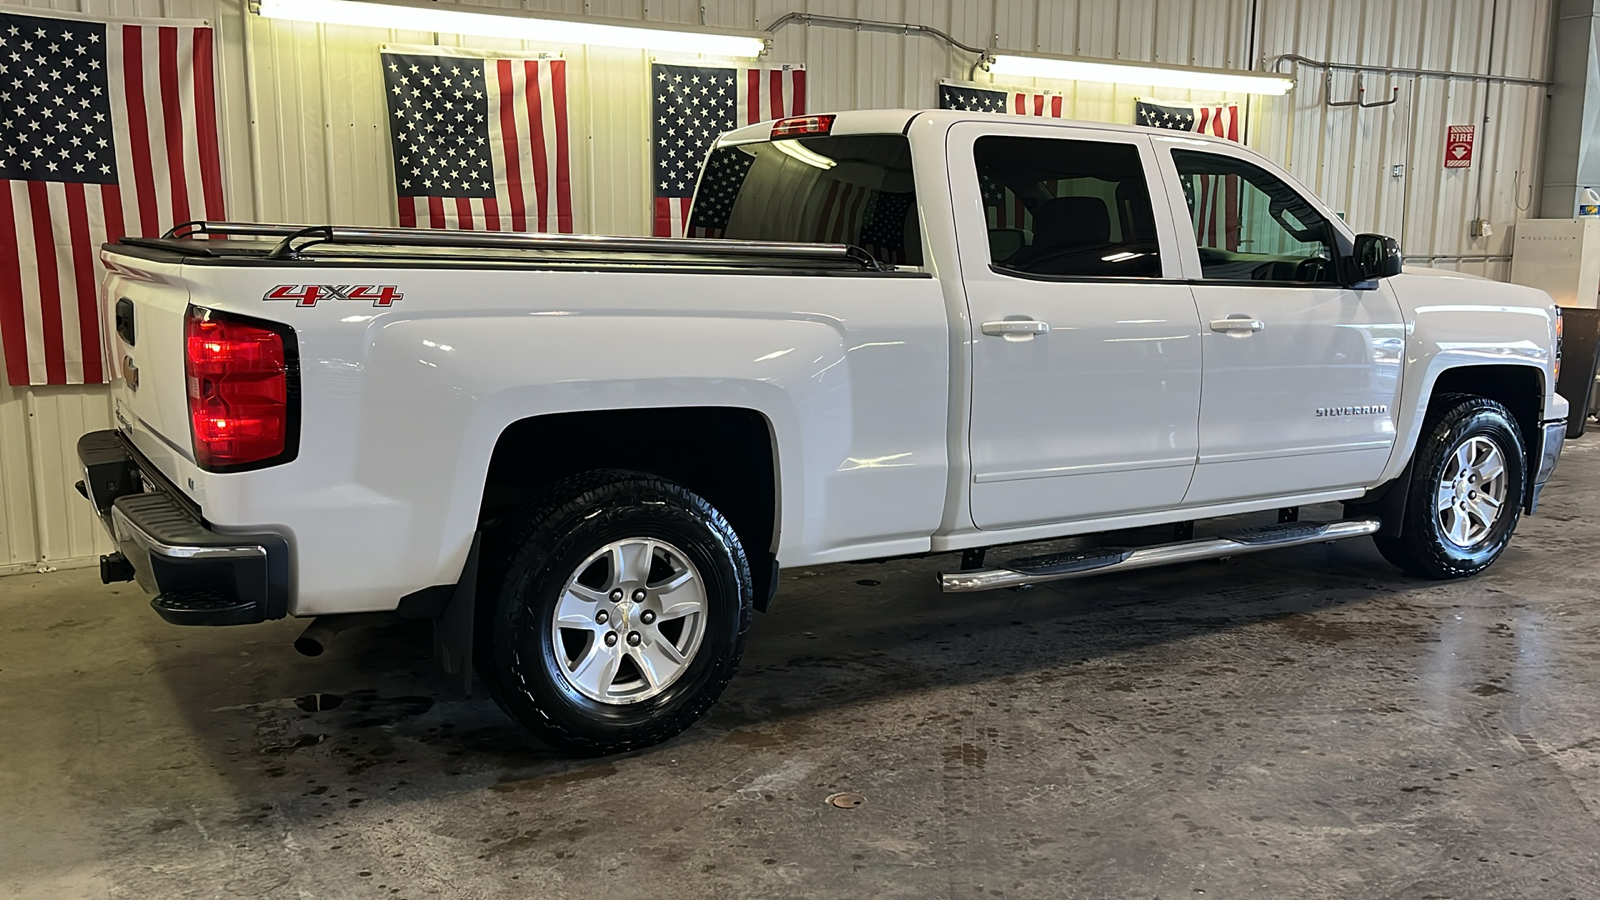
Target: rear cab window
846,189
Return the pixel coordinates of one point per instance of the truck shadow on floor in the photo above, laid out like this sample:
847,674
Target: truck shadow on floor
371,721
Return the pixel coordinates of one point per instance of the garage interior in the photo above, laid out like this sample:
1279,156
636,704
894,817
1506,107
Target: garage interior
1306,723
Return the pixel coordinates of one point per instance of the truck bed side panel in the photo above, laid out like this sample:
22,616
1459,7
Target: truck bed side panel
403,405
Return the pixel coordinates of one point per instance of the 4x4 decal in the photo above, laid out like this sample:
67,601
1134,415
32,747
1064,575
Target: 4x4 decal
310,294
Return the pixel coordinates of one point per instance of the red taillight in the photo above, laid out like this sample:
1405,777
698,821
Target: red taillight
802,125
239,403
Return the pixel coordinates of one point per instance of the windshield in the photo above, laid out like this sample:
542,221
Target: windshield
853,189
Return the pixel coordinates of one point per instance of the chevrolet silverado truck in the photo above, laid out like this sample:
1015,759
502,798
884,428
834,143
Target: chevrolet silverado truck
901,333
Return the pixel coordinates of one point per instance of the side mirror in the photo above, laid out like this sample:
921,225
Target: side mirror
1374,256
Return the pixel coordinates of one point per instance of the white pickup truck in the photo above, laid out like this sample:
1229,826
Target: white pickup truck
912,332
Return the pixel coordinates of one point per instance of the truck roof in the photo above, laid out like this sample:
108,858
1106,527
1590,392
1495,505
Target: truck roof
890,121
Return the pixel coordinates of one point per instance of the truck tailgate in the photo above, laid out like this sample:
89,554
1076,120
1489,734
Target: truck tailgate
147,301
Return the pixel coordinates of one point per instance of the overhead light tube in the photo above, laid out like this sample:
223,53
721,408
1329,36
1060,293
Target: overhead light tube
805,154
1184,78
404,16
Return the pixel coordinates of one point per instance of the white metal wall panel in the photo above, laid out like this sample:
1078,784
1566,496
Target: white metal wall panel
317,147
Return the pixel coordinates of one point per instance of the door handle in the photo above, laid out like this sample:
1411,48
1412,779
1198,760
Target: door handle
1235,324
1016,328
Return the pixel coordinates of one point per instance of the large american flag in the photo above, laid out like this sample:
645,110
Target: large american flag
1213,199
690,107
976,98
479,141
106,129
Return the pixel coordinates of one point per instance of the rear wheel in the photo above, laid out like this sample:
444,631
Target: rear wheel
1466,490
622,613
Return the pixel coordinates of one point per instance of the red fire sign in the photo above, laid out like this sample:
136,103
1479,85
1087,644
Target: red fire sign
1458,146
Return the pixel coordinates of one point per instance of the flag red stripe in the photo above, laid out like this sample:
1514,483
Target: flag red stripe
798,79
859,201
13,334
436,212
513,156
111,204
205,123
84,282
558,84
464,217
827,211
143,174
44,251
1020,102
663,217
491,214
775,88
408,212
541,165
752,96
172,114
1055,106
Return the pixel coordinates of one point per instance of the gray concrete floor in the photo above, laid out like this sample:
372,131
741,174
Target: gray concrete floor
1304,723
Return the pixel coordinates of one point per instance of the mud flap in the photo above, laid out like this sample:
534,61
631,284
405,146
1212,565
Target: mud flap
452,628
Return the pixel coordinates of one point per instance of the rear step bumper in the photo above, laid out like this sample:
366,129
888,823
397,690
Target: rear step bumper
1060,566
199,576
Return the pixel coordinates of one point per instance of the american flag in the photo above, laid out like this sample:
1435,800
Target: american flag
691,107
1220,120
106,129
480,142
1213,199
724,175
956,95
872,219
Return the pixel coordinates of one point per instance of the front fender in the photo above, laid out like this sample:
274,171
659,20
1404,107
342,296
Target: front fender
1463,321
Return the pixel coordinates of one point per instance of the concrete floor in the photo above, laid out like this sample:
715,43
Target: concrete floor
1299,724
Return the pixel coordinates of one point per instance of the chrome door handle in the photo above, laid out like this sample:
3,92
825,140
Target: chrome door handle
1237,324
1016,328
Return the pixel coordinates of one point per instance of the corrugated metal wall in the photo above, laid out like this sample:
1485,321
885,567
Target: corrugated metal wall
304,138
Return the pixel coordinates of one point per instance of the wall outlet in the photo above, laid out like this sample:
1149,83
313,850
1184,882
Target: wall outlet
1481,228
1398,170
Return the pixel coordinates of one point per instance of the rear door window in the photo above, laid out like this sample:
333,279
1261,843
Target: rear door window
851,189
1067,208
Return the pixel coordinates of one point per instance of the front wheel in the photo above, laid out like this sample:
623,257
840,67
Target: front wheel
1466,490
622,614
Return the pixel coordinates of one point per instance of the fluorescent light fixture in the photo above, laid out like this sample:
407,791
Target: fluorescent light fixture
1194,79
798,151
554,29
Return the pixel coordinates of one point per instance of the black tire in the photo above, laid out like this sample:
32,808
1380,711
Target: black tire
1422,547
555,535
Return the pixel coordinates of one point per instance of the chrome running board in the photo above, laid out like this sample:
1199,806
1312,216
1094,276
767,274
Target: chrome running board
1061,566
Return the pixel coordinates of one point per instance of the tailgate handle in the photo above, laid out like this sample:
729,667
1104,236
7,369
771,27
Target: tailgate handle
125,320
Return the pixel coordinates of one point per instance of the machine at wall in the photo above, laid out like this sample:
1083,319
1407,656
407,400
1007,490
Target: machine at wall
1562,258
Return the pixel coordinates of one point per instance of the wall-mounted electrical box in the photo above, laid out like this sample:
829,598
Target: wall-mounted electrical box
1560,257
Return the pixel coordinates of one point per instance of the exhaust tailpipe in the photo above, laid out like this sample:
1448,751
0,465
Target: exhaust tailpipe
323,629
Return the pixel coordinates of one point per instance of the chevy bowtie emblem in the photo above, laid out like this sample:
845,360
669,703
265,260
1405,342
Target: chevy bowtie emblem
310,294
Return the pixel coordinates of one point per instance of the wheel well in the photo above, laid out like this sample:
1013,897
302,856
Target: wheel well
1519,388
724,454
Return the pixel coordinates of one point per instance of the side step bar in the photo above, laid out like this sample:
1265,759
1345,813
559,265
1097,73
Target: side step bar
1060,566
